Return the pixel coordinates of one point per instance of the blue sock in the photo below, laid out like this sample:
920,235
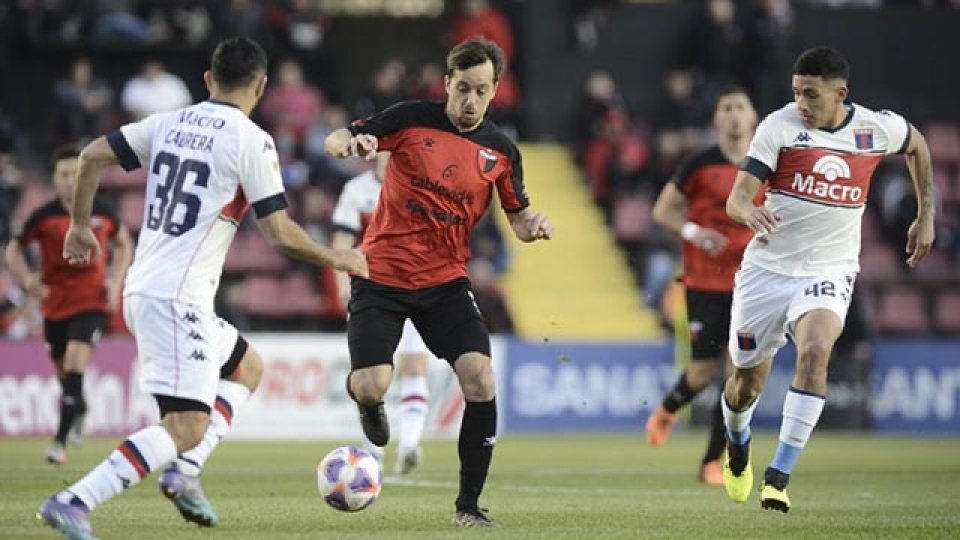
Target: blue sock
786,457
739,438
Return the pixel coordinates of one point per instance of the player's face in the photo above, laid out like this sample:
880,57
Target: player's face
735,116
64,175
818,100
469,92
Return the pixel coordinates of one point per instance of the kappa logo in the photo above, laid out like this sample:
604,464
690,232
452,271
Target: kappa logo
490,441
429,142
198,355
190,317
195,336
803,137
487,160
267,146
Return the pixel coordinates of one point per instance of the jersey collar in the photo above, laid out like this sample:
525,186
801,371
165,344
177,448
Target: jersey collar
224,103
846,121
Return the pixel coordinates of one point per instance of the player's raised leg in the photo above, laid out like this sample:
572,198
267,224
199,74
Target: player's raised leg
738,401
180,481
815,333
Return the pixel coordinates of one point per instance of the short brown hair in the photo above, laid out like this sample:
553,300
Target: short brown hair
66,151
474,52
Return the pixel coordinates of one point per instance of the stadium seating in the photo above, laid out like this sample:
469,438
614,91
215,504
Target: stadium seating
948,312
902,311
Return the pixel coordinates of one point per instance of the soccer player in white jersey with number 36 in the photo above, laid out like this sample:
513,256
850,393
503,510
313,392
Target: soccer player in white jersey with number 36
816,156
207,164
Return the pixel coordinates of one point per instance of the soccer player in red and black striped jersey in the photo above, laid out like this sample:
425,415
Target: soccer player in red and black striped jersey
75,299
446,160
693,206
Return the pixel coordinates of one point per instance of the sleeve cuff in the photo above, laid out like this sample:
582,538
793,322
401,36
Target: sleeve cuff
518,209
118,143
346,228
273,203
906,140
756,168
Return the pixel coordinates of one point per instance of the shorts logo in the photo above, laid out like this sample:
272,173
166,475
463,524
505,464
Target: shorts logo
198,355
190,317
95,336
746,341
195,336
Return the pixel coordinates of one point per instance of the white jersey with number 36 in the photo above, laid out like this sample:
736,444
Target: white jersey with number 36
817,182
206,164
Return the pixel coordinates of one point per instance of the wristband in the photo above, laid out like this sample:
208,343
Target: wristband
689,231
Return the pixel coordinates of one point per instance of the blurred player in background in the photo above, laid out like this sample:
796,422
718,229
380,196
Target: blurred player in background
350,218
208,164
446,160
693,206
75,300
817,156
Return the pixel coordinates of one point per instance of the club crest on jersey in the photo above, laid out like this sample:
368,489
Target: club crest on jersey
863,138
487,160
746,341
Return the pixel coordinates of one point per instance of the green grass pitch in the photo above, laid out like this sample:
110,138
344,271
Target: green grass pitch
565,486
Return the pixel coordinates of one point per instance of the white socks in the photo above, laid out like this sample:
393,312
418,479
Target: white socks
142,452
737,422
230,396
413,412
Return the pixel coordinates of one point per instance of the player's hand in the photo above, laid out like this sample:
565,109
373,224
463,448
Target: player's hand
352,261
540,227
762,221
363,145
710,241
920,238
35,287
80,245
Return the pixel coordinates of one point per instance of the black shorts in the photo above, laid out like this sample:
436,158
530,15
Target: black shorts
87,327
446,317
708,314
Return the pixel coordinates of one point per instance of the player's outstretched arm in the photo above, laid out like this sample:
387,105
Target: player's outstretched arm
528,225
922,231
285,235
671,212
741,209
80,244
343,240
341,143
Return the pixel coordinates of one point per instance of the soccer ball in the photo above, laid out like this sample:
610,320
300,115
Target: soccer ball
349,479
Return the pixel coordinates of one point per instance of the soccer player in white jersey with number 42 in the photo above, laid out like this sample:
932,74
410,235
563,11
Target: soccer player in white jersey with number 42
817,156
207,164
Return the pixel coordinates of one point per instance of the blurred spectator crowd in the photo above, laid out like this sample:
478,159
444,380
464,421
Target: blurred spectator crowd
261,289
627,156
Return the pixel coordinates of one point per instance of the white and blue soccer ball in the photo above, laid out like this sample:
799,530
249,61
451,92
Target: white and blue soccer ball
349,479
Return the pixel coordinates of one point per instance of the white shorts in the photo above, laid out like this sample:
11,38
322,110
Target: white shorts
180,347
410,340
766,305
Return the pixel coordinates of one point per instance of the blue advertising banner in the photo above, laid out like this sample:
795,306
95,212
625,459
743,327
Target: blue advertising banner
916,386
563,386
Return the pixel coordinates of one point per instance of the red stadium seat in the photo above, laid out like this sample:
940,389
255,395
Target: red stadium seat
944,142
631,218
878,262
948,312
935,267
301,297
250,252
902,311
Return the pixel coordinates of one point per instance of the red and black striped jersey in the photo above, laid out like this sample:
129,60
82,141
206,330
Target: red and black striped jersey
438,184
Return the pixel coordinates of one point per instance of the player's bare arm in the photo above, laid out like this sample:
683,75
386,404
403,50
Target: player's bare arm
344,241
922,231
528,225
122,257
285,235
80,245
17,263
671,211
341,143
741,208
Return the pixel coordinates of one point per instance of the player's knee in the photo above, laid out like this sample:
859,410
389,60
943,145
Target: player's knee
368,385
479,385
186,428
812,359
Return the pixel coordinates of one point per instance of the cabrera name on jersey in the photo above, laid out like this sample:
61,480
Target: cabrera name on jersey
205,162
818,180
